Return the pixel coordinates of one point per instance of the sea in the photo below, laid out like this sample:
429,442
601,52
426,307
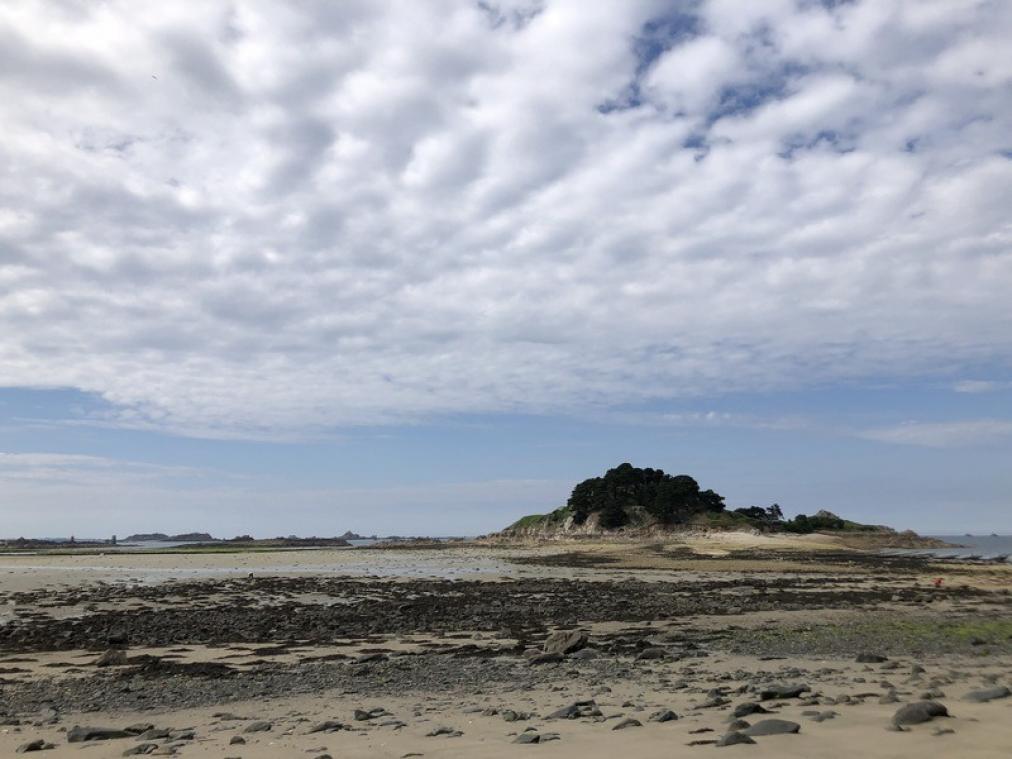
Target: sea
981,547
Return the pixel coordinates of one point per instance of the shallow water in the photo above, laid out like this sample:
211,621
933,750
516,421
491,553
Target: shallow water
984,547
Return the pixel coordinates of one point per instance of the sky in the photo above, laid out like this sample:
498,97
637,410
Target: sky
418,268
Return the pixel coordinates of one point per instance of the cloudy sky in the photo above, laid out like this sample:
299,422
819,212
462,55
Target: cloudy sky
418,267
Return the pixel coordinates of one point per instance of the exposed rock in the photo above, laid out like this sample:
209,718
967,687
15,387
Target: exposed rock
782,691
627,722
114,657
747,708
772,727
78,734
577,710
151,734
329,726
565,642
38,744
918,712
141,749
734,738
654,652
443,730
987,694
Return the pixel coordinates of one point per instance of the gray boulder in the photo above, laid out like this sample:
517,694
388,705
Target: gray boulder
565,642
749,707
918,712
987,694
37,745
649,654
782,691
141,749
627,722
114,657
528,738
734,738
577,710
772,727
78,734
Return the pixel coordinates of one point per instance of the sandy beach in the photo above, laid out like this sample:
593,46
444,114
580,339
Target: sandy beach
586,649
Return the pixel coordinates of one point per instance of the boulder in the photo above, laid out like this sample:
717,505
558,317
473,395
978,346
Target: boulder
918,712
114,657
749,707
987,694
772,727
37,745
141,749
78,734
565,642
627,722
577,710
648,654
734,738
782,691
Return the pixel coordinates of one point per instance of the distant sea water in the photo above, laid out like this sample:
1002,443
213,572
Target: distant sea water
122,545
983,547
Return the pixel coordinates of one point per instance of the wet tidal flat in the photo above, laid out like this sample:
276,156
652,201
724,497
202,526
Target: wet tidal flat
560,653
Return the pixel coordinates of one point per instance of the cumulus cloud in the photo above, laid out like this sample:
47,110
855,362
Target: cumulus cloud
271,219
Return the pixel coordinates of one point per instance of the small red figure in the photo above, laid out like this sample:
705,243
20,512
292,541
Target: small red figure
938,582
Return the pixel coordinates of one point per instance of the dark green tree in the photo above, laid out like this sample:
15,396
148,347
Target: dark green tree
669,499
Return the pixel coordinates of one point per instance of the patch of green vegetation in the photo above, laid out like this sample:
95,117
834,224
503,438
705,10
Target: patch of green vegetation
724,520
531,520
883,634
542,520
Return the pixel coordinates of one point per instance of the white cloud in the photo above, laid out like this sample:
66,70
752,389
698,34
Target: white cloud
690,76
980,386
271,219
943,434
82,470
